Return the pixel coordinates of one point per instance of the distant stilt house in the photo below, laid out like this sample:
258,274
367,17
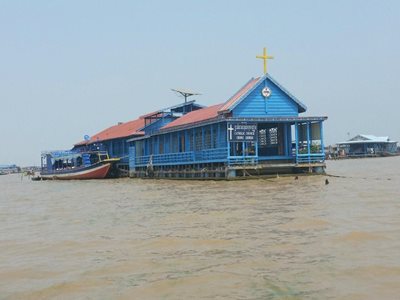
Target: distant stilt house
257,131
368,145
7,169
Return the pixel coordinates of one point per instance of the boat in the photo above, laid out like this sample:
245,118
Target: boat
74,164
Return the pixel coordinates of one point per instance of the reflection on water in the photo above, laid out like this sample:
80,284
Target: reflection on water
259,239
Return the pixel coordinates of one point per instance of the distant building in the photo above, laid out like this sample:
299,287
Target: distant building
9,169
368,145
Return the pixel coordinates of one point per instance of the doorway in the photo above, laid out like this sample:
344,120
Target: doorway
271,139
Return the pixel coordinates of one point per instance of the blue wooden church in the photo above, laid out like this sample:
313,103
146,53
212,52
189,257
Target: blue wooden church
258,131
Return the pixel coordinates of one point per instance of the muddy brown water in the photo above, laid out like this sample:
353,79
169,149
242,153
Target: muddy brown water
260,239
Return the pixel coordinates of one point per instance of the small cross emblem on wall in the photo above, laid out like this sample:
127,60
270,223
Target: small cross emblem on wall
230,129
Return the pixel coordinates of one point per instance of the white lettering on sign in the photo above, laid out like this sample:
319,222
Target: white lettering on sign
242,132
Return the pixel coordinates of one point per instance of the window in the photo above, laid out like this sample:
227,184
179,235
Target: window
207,137
262,138
250,149
214,136
161,144
182,141
174,145
198,139
190,136
222,142
272,136
236,149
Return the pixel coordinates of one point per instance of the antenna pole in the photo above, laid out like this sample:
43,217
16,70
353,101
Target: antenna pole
185,94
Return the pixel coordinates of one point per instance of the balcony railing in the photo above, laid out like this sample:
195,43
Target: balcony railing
203,156
245,160
210,155
310,158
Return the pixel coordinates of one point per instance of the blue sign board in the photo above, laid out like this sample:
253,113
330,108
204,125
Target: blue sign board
242,132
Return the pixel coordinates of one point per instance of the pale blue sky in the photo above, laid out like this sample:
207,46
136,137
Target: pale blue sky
70,68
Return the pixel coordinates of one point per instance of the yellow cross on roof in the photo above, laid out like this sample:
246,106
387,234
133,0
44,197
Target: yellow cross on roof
265,57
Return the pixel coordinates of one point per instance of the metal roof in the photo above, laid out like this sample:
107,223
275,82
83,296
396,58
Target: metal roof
243,91
252,84
172,108
134,127
121,130
196,116
62,154
280,119
8,166
367,138
222,118
374,138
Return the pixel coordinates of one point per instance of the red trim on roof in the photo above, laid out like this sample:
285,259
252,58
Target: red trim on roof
212,111
122,130
196,116
249,85
150,114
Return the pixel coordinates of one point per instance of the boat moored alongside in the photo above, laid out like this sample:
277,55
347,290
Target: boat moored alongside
76,165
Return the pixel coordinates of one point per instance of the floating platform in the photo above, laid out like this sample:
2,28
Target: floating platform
216,171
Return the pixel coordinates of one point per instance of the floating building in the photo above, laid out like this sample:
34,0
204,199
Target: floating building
367,145
257,131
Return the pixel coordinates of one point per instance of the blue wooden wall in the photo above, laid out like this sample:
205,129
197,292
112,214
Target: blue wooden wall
200,144
255,105
156,125
209,143
117,148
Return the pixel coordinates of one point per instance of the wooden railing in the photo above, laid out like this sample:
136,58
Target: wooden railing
310,158
203,156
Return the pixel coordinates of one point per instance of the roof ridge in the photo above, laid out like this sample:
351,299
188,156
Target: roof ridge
239,94
116,131
295,99
195,116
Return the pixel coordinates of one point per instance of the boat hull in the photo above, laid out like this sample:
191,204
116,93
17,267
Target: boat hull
99,171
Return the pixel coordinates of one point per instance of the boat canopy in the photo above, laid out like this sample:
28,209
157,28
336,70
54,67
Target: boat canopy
62,154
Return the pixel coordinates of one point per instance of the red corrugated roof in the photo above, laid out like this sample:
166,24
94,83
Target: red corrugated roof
131,128
149,114
196,116
249,85
117,131
212,111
